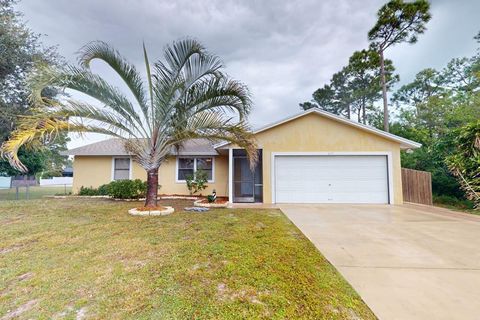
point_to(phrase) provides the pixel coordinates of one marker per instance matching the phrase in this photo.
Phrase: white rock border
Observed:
(167, 211)
(199, 203)
(179, 197)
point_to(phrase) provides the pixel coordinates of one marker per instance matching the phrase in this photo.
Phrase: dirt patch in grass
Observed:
(88, 258)
(20, 310)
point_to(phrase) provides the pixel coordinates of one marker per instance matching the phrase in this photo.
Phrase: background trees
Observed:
(21, 49)
(353, 91)
(431, 109)
(464, 163)
(398, 21)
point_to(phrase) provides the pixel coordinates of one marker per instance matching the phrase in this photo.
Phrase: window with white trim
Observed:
(187, 166)
(121, 168)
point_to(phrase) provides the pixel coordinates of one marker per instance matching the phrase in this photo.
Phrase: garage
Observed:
(337, 178)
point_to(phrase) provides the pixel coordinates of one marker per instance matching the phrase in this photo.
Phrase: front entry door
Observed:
(247, 183)
(243, 181)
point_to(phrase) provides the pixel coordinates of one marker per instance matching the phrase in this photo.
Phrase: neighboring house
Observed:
(312, 157)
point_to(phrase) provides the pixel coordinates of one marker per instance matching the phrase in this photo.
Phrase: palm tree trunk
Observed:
(152, 188)
(384, 92)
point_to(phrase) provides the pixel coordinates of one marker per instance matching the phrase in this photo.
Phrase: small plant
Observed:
(212, 197)
(197, 182)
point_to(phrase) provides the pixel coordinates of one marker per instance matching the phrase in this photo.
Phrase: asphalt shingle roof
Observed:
(114, 147)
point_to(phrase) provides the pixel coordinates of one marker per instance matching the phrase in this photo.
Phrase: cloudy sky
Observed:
(283, 50)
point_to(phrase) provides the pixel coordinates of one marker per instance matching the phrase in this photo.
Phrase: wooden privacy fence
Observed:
(417, 186)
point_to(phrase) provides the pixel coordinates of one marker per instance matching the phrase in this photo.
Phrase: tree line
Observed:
(21, 50)
(439, 108)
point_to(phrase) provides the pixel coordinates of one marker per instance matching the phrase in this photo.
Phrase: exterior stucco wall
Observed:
(167, 175)
(314, 133)
(90, 171)
(93, 171)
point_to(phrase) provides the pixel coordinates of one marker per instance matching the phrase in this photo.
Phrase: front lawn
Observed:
(35, 192)
(82, 258)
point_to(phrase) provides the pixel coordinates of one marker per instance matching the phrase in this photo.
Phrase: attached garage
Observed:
(331, 178)
(319, 157)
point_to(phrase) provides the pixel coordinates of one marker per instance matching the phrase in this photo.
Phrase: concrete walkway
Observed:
(406, 262)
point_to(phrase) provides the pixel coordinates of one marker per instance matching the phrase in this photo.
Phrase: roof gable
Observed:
(404, 143)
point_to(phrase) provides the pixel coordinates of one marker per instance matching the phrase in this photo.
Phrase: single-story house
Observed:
(311, 157)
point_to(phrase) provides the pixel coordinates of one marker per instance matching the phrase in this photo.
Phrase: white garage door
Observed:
(331, 179)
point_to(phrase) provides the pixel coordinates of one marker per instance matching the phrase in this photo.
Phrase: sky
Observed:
(282, 50)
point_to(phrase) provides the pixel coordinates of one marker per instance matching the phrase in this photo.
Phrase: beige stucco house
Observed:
(312, 157)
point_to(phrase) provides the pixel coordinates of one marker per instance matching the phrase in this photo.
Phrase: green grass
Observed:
(36, 192)
(454, 203)
(82, 257)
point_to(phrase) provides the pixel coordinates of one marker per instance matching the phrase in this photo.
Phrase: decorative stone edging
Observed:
(199, 203)
(93, 197)
(167, 211)
(179, 197)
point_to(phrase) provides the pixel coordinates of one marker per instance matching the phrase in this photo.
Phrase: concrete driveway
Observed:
(406, 262)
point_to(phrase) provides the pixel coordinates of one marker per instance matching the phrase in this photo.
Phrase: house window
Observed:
(189, 165)
(186, 167)
(121, 168)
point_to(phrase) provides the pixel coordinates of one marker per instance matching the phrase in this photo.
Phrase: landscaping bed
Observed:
(220, 202)
(86, 258)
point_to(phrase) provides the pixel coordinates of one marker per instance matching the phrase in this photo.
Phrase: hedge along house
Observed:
(312, 157)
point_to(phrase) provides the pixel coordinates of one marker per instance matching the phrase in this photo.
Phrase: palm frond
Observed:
(220, 94)
(34, 129)
(85, 82)
(216, 126)
(127, 71)
(186, 96)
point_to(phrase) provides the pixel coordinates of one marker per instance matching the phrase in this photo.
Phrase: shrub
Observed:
(87, 191)
(104, 190)
(197, 182)
(127, 189)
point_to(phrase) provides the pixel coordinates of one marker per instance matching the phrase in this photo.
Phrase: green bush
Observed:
(127, 189)
(104, 190)
(87, 191)
(121, 189)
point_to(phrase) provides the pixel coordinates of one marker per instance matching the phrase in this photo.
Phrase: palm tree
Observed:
(185, 96)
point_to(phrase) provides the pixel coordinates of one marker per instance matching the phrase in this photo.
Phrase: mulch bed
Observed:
(220, 200)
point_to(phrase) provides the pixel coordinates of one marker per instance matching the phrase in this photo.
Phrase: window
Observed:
(188, 166)
(206, 165)
(121, 168)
